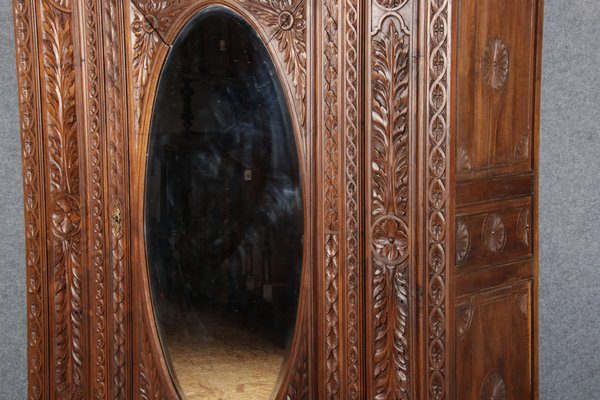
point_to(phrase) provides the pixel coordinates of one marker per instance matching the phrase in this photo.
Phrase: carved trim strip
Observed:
(331, 176)
(389, 212)
(352, 192)
(117, 192)
(438, 74)
(37, 308)
(63, 192)
(94, 138)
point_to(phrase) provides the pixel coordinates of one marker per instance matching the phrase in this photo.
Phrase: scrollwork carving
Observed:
(352, 105)
(438, 99)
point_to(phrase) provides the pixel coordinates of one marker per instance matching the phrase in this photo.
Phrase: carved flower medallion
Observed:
(391, 4)
(66, 216)
(390, 240)
(495, 63)
(494, 233)
(493, 387)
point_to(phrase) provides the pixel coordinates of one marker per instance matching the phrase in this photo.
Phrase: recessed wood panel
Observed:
(496, 41)
(493, 233)
(493, 344)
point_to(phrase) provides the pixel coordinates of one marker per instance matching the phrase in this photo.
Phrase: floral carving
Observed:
(287, 18)
(464, 317)
(391, 4)
(145, 43)
(66, 217)
(495, 63)
(389, 210)
(463, 241)
(494, 233)
(493, 387)
(62, 147)
(390, 240)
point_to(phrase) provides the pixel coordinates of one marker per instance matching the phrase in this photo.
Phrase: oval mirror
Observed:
(224, 222)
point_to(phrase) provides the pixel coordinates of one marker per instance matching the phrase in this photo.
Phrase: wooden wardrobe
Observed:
(415, 125)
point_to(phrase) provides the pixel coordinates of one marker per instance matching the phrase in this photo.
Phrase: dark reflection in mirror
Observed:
(223, 212)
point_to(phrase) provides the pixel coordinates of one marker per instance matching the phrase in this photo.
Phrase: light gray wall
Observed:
(570, 208)
(570, 202)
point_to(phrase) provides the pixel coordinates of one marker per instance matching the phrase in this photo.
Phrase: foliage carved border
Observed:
(33, 177)
(331, 223)
(389, 216)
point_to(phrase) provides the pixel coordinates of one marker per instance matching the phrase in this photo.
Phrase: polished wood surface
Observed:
(417, 127)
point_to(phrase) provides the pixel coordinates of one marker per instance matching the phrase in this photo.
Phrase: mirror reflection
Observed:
(223, 212)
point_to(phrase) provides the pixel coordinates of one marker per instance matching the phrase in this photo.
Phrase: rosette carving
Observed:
(287, 18)
(494, 233)
(495, 63)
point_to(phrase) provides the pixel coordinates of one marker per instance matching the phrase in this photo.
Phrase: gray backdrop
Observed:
(570, 208)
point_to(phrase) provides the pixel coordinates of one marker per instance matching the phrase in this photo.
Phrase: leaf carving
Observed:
(389, 216)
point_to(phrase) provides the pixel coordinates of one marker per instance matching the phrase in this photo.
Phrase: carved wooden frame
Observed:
(87, 70)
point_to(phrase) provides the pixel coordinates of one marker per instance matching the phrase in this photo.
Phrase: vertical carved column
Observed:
(352, 287)
(117, 198)
(94, 136)
(437, 183)
(390, 201)
(33, 193)
(63, 194)
(330, 143)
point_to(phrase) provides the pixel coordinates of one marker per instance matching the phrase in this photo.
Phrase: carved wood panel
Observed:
(495, 81)
(497, 324)
(493, 234)
(391, 273)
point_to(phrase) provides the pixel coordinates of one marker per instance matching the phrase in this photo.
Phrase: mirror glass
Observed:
(224, 221)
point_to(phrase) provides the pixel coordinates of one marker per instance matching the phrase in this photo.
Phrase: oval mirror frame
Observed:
(295, 374)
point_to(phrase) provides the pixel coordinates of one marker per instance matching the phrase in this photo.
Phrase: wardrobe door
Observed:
(496, 59)
(221, 185)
